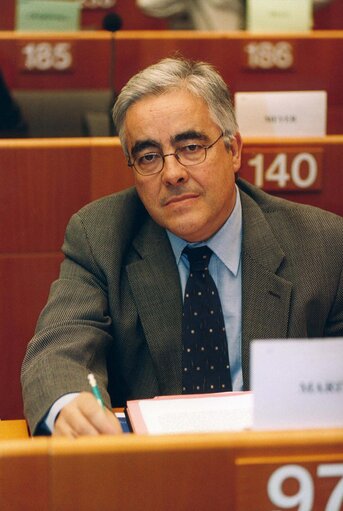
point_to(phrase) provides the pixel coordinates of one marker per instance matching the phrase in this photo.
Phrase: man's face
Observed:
(191, 202)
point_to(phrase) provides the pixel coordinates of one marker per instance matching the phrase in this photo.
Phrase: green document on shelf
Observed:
(279, 15)
(48, 15)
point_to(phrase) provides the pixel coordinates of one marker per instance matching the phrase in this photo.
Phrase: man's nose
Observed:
(173, 172)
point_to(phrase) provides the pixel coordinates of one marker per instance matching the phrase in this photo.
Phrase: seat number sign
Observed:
(295, 486)
(46, 56)
(283, 168)
(268, 55)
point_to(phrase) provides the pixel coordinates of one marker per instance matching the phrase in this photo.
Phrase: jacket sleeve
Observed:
(73, 333)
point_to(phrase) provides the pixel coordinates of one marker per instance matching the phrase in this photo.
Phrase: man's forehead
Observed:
(174, 102)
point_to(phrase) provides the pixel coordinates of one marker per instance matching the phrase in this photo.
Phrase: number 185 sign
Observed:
(46, 56)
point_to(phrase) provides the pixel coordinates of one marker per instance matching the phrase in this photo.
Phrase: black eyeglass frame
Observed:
(163, 156)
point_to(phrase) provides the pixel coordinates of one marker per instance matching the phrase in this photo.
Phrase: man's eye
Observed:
(148, 158)
(191, 148)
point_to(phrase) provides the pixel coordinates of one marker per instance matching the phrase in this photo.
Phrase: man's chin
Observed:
(189, 231)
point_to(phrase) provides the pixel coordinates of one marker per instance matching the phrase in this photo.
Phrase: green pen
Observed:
(95, 389)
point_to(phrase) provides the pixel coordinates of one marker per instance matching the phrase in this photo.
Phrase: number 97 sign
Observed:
(284, 169)
(293, 486)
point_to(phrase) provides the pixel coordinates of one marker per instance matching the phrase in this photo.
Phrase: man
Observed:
(116, 309)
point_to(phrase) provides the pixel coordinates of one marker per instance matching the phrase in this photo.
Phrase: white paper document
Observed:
(297, 384)
(192, 414)
(282, 114)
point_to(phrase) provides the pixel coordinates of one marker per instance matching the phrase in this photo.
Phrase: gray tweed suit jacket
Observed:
(116, 308)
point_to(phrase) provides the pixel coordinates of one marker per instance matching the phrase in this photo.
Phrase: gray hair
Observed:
(199, 78)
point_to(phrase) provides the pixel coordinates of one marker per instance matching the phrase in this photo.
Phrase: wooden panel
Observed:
(25, 282)
(42, 185)
(13, 429)
(90, 57)
(164, 475)
(110, 172)
(45, 181)
(228, 54)
(201, 471)
(24, 475)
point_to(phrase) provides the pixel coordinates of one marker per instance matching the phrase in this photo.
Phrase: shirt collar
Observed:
(226, 243)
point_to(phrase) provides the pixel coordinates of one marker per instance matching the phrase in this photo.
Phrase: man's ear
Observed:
(236, 150)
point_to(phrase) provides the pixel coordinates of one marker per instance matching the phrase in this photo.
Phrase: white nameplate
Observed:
(281, 114)
(297, 384)
(279, 15)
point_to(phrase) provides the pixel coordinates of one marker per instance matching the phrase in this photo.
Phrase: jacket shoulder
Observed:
(126, 200)
(111, 221)
(270, 203)
(289, 219)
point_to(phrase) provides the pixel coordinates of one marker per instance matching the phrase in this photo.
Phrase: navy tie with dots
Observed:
(205, 358)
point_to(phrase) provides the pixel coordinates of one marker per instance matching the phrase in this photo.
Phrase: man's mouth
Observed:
(179, 198)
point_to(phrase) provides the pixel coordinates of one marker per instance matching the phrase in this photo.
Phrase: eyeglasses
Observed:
(188, 155)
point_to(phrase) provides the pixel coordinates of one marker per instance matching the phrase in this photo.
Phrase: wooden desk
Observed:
(248, 62)
(45, 181)
(13, 429)
(233, 471)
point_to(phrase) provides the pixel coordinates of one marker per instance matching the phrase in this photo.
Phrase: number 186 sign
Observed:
(284, 168)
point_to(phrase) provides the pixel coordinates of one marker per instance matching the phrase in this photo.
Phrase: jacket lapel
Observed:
(265, 295)
(154, 281)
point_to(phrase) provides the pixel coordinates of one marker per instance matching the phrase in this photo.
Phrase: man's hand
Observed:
(84, 416)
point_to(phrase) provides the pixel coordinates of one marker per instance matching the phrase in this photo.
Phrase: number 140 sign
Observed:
(283, 169)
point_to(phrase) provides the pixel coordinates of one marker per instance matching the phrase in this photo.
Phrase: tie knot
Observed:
(199, 258)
